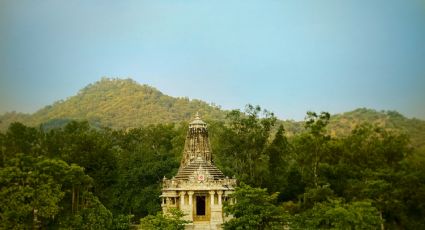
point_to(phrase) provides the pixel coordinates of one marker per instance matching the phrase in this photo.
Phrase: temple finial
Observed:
(197, 121)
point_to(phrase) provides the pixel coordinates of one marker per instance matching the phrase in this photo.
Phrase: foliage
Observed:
(122, 222)
(119, 104)
(314, 146)
(242, 145)
(145, 156)
(170, 221)
(254, 209)
(83, 176)
(335, 214)
(93, 215)
(342, 124)
(28, 194)
(35, 192)
(124, 104)
(278, 153)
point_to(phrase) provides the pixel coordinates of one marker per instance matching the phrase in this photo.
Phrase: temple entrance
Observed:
(200, 205)
(201, 208)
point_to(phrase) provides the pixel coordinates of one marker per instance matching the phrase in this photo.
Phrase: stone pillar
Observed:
(219, 197)
(212, 197)
(182, 198)
(189, 207)
(190, 193)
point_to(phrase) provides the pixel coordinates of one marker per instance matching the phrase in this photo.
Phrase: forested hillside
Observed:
(118, 104)
(343, 124)
(124, 104)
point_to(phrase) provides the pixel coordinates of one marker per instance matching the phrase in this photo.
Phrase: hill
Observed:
(341, 124)
(118, 103)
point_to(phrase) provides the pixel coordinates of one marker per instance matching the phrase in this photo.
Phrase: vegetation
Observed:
(359, 181)
(172, 221)
(254, 209)
(84, 176)
(125, 104)
(118, 104)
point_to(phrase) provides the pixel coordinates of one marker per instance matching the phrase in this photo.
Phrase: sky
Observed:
(288, 56)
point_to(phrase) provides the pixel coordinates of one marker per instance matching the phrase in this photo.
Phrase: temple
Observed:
(199, 188)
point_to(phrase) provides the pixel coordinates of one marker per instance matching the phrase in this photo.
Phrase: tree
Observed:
(242, 144)
(170, 221)
(29, 196)
(38, 192)
(410, 190)
(92, 215)
(145, 157)
(254, 209)
(316, 125)
(21, 139)
(78, 143)
(278, 152)
(312, 146)
(335, 214)
(375, 157)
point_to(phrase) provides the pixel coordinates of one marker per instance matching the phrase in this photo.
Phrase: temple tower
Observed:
(199, 187)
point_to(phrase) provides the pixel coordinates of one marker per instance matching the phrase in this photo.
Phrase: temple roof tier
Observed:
(186, 172)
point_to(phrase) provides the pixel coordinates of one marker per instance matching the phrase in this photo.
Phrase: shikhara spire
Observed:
(197, 144)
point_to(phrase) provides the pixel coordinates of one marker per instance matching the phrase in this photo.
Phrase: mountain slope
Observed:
(119, 104)
(341, 124)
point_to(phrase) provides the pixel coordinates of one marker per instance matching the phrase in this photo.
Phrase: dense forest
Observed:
(82, 176)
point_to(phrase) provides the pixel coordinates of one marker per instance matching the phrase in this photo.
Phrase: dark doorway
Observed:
(200, 205)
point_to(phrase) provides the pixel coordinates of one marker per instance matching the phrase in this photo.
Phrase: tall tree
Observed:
(278, 153)
(312, 146)
(242, 145)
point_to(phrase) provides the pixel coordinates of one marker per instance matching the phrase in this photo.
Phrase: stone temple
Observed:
(199, 188)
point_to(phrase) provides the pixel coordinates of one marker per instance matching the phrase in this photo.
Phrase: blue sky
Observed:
(286, 56)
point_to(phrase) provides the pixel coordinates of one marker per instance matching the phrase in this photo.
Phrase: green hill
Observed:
(341, 124)
(118, 103)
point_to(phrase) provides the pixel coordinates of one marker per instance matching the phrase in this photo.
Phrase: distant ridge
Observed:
(124, 103)
(343, 123)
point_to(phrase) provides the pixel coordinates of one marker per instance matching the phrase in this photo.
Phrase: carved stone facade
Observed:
(199, 188)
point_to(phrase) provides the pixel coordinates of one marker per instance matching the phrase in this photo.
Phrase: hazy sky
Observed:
(287, 56)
